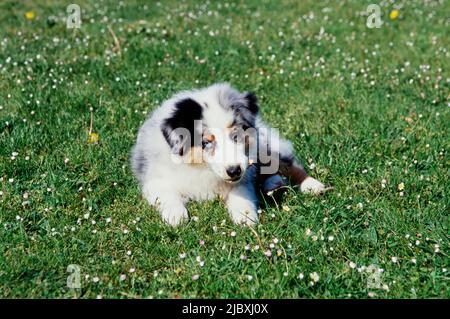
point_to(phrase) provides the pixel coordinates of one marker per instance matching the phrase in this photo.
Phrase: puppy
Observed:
(211, 142)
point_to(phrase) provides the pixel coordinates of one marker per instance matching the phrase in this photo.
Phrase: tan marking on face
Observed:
(231, 125)
(210, 138)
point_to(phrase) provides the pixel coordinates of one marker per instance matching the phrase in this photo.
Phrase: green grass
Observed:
(360, 105)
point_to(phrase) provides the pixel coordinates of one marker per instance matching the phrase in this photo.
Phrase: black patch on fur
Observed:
(139, 163)
(246, 124)
(287, 159)
(186, 112)
(252, 102)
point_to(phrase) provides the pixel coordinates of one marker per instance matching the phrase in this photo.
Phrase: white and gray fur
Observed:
(168, 184)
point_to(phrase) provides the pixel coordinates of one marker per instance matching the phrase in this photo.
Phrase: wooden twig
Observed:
(116, 47)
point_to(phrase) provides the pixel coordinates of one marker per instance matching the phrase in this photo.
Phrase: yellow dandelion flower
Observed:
(401, 186)
(93, 138)
(393, 15)
(29, 15)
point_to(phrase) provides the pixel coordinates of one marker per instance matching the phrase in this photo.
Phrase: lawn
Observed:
(366, 108)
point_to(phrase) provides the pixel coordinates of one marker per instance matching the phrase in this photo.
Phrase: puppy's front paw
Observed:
(313, 186)
(244, 218)
(243, 213)
(174, 214)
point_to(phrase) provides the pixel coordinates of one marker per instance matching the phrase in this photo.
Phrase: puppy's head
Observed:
(214, 127)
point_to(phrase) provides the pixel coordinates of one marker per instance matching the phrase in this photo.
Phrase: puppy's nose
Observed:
(234, 171)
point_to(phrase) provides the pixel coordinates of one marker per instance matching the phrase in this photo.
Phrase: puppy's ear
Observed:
(252, 102)
(180, 129)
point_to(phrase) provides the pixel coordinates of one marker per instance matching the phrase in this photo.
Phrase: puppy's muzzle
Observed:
(234, 172)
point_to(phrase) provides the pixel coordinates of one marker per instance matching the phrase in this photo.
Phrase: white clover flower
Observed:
(314, 276)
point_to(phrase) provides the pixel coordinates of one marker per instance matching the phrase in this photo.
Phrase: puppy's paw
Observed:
(243, 212)
(174, 214)
(313, 186)
(244, 218)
